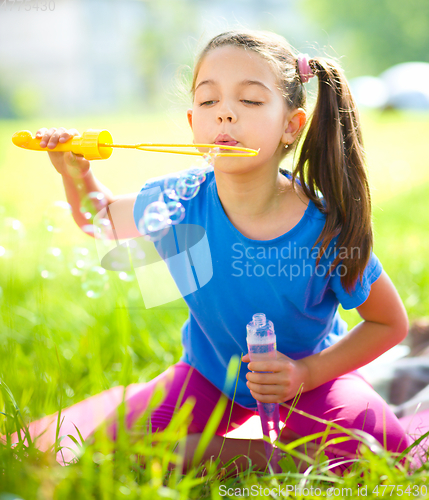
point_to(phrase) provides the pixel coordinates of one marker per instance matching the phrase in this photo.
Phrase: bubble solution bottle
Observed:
(261, 344)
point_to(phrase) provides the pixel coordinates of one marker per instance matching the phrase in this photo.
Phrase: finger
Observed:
(263, 366)
(46, 136)
(274, 390)
(245, 358)
(263, 378)
(41, 131)
(53, 141)
(264, 398)
(64, 135)
(67, 134)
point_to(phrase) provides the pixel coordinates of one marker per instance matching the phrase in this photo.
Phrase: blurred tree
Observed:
(169, 24)
(26, 101)
(6, 108)
(375, 34)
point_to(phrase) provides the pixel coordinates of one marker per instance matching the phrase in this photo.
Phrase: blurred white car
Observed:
(403, 86)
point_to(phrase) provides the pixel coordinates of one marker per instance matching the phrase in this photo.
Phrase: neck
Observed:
(253, 195)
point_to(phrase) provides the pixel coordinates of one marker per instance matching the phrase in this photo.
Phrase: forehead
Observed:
(235, 64)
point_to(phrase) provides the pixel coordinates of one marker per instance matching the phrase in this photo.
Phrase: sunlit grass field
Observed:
(58, 346)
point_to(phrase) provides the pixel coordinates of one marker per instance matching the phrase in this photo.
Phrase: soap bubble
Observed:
(95, 282)
(176, 211)
(160, 208)
(171, 194)
(80, 261)
(187, 187)
(89, 229)
(102, 230)
(138, 255)
(52, 264)
(171, 181)
(9, 237)
(12, 234)
(57, 216)
(105, 229)
(159, 216)
(155, 222)
(151, 235)
(200, 175)
(209, 158)
(124, 276)
(92, 203)
(207, 168)
(15, 225)
(156, 216)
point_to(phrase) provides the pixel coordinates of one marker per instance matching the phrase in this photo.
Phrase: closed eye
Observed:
(207, 103)
(251, 103)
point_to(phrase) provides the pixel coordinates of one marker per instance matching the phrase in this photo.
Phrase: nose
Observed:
(226, 113)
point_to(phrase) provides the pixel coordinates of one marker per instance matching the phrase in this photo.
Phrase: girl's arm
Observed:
(79, 180)
(385, 325)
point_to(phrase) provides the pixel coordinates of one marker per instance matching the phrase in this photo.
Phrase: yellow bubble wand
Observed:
(98, 145)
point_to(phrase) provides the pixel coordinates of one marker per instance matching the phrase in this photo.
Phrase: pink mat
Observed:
(87, 415)
(415, 426)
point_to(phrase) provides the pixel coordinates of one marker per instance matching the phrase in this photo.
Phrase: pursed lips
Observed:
(225, 140)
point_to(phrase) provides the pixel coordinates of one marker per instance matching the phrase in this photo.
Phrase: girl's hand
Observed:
(66, 163)
(282, 383)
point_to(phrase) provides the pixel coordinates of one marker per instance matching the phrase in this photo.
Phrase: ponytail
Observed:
(332, 161)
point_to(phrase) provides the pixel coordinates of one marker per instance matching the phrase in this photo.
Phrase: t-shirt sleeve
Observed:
(361, 291)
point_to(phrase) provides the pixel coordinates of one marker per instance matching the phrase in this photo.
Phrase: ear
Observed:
(295, 122)
(189, 115)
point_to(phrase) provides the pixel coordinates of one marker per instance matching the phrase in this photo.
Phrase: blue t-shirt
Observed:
(227, 277)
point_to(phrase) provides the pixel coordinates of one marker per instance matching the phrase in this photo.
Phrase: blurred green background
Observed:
(124, 66)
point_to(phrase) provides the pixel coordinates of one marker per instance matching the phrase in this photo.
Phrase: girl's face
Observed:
(237, 100)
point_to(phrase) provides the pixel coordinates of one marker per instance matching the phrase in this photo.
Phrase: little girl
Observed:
(293, 245)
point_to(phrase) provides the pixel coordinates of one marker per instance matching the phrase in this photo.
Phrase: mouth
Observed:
(225, 140)
(226, 143)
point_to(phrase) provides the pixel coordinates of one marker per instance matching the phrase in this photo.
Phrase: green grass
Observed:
(57, 346)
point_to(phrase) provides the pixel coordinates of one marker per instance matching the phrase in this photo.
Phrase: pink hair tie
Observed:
(304, 70)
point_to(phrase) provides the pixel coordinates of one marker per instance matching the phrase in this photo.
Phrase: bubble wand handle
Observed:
(87, 144)
(261, 344)
(98, 145)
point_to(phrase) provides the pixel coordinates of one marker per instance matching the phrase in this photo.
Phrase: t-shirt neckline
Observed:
(288, 234)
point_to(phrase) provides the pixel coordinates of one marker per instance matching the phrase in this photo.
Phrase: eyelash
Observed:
(253, 103)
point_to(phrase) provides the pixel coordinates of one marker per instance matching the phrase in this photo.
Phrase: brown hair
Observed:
(331, 159)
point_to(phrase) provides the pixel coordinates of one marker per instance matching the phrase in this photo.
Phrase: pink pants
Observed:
(349, 401)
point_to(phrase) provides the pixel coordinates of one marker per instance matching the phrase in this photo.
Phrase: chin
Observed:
(231, 165)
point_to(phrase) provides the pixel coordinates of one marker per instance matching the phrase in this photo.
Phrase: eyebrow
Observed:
(241, 84)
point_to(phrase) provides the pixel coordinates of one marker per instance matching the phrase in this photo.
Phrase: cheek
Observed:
(266, 134)
(200, 125)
